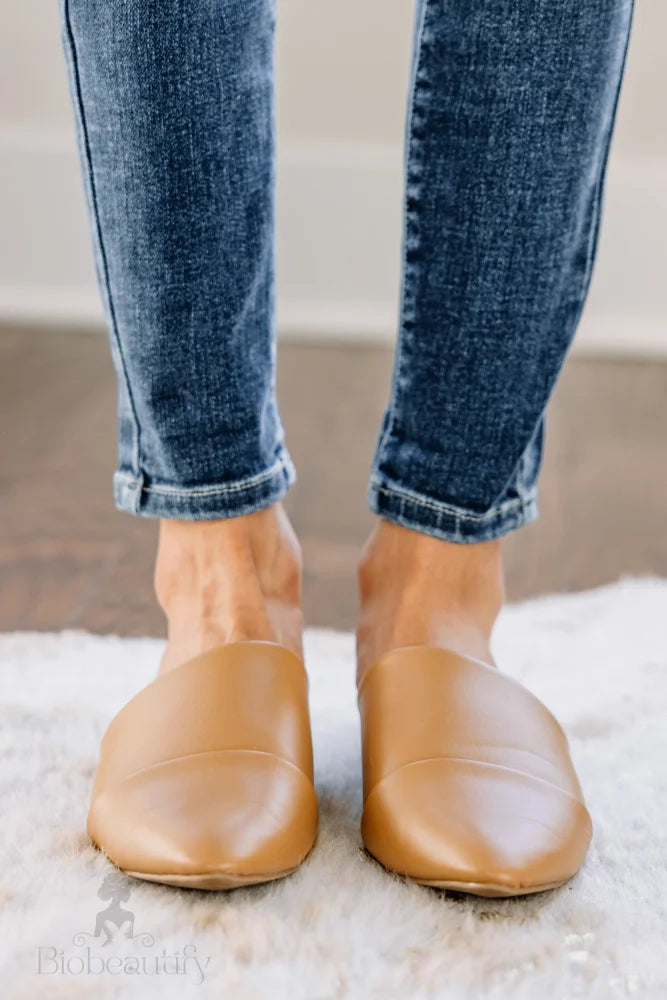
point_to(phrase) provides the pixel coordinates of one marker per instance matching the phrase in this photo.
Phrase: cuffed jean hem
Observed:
(210, 502)
(453, 524)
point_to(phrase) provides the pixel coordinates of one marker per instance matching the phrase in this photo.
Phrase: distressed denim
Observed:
(510, 111)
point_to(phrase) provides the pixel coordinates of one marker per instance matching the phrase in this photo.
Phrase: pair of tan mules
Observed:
(206, 776)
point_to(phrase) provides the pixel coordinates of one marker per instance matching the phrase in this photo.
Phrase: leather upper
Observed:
(210, 769)
(467, 775)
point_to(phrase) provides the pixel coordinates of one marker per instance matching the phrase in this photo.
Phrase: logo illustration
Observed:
(115, 922)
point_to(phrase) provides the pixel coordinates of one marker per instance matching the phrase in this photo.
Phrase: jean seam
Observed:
(442, 508)
(408, 226)
(204, 491)
(79, 104)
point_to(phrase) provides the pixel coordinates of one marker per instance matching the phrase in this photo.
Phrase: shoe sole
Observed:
(208, 880)
(491, 890)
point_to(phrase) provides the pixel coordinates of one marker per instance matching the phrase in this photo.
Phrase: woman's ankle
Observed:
(415, 589)
(228, 580)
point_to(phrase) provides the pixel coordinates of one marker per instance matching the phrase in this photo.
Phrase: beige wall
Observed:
(342, 75)
(342, 69)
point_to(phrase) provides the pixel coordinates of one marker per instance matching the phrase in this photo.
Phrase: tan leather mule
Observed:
(468, 781)
(206, 776)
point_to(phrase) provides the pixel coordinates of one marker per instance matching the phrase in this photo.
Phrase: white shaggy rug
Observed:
(341, 927)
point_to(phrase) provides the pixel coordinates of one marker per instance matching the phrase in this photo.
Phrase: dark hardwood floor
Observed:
(69, 560)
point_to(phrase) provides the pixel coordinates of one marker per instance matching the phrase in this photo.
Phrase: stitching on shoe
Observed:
(478, 763)
(205, 753)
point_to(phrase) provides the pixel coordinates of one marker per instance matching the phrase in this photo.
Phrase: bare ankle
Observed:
(394, 554)
(417, 589)
(221, 581)
(261, 546)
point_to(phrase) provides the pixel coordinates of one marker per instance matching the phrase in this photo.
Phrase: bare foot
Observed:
(418, 590)
(223, 581)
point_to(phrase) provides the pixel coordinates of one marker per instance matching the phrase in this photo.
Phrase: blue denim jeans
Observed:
(510, 112)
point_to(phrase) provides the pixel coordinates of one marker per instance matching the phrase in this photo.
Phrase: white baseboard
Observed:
(338, 239)
(50, 306)
(353, 323)
(630, 337)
